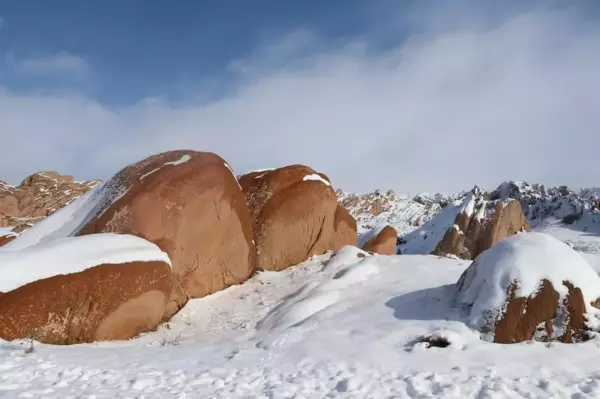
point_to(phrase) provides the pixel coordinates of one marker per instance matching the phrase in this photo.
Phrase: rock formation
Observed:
(295, 215)
(190, 205)
(530, 286)
(38, 196)
(384, 243)
(83, 289)
(466, 227)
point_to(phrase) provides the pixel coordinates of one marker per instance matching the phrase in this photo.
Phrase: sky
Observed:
(408, 95)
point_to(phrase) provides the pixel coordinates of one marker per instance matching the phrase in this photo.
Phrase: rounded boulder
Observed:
(83, 289)
(189, 204)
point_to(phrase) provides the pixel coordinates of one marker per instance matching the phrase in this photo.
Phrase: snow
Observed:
(182, 160)
(527, 258)
(142, 177)
(6, 231)
(316, 177)
(60, 224)
(364, 344)
(234, 176)
(426, 238)
(468, 205)
(72, 255)
(305, 333)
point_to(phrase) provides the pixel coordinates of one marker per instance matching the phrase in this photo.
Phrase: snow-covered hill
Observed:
(332, 327)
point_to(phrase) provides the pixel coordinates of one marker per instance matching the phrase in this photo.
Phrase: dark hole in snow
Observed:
(570, 219)
(435, 341)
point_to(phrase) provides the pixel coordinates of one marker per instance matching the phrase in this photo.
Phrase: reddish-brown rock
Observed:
(345, 229)
(384, 243)
(189, 204)
(531, 318)
(106, 302)
(37, 197)
(294, 213)
(5, 239)
(471, 234)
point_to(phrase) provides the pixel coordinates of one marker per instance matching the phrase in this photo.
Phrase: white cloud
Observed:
(62, 63)
(442, 111)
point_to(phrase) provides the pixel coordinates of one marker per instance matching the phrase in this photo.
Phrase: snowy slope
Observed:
(342, 327)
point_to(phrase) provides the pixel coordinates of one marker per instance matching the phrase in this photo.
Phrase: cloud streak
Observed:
(62, 63)
(441, 111)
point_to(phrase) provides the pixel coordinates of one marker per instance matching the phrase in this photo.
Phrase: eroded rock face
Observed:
(528, 318)
(295, 215)
(481, 227)
(530, 287)
(106, 302)
(38, 196)
(384, 243)
(189, 204)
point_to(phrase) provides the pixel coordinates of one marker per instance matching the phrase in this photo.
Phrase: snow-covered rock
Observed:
(38, 196)
(187, 202)
(530, 286)
(82, 289)
(466, 227)
(539, 203)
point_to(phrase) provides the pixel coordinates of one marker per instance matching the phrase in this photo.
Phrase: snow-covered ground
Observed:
(341, 327)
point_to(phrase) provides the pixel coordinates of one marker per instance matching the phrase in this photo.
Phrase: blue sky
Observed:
(457, 93)
(123, 51)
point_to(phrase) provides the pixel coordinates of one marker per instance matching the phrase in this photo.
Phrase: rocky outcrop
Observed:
(295, 215)
(83, 289)
(466, 227)
(37, 197)
(380, 208)
(189, 204)
(562, 203)
(384, 243)
(490, 222)
(530, 286)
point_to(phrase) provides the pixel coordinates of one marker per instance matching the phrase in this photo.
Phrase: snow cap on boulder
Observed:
(83, 289)
(530, 286)
(383, 243)
(295, 215)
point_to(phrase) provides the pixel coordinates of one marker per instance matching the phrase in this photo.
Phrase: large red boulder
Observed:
(189, 204)
(294, 212)
(83, 289)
